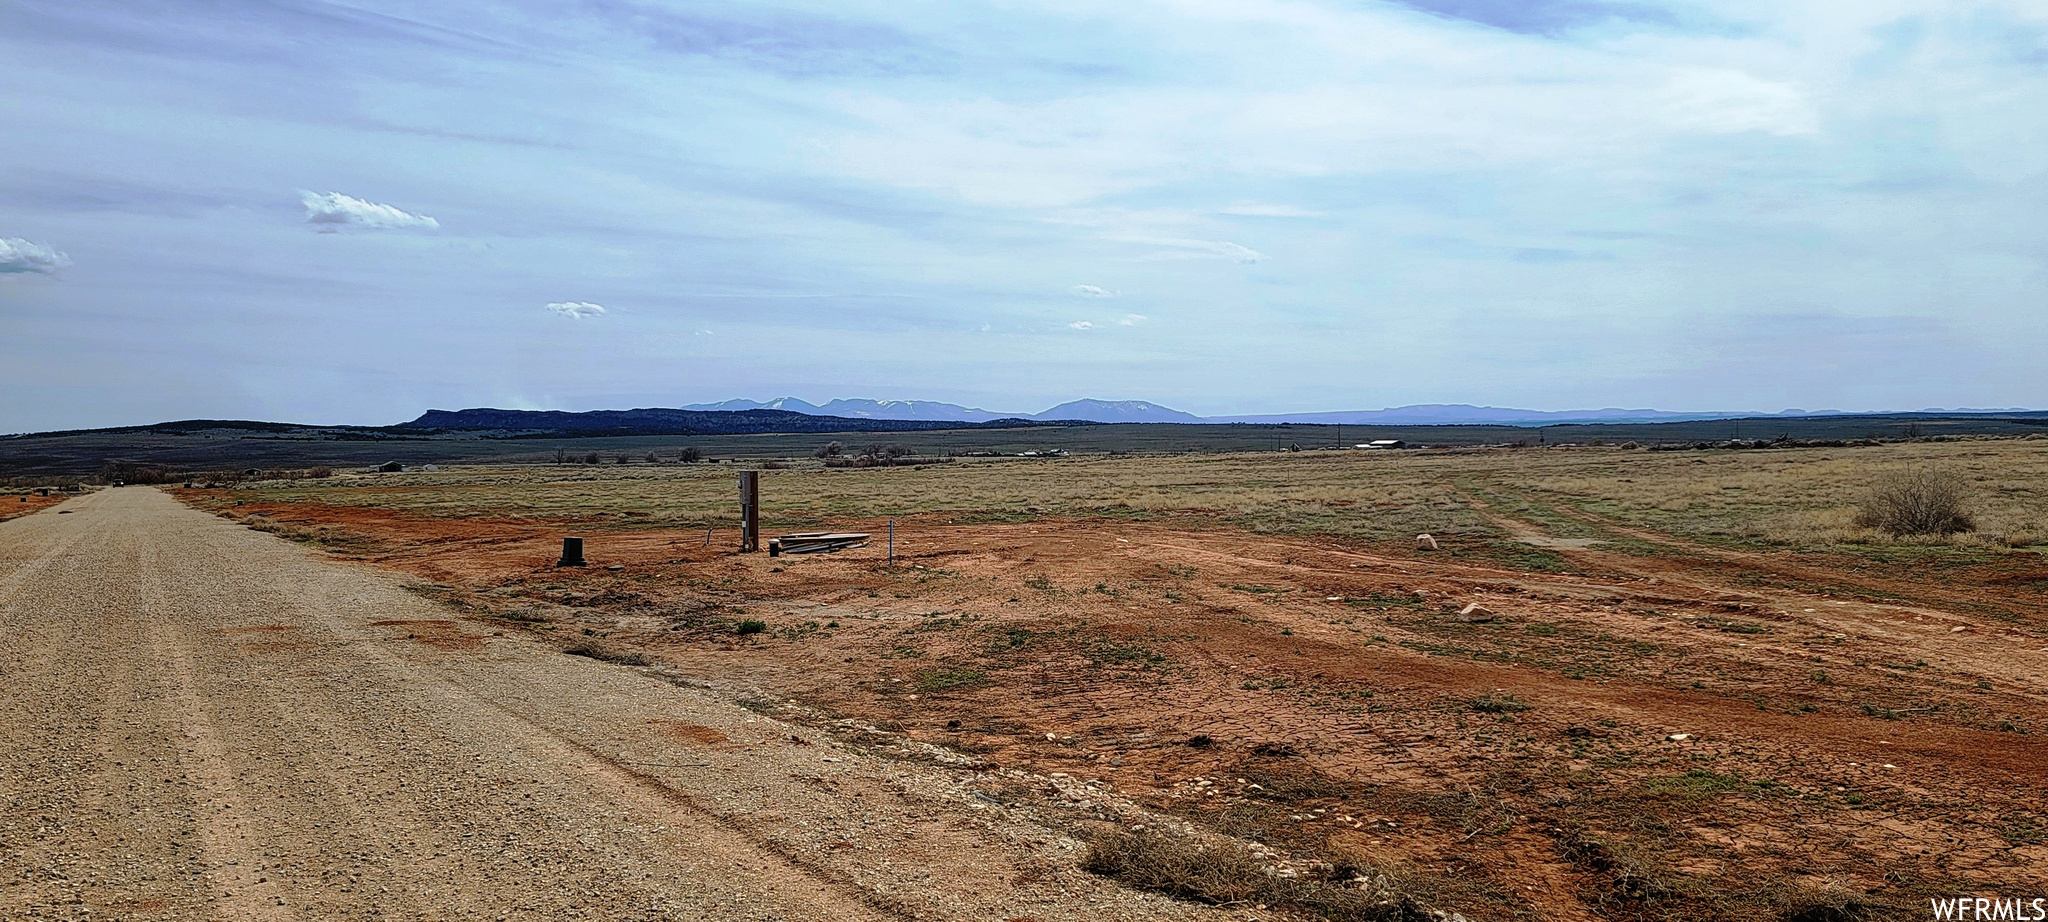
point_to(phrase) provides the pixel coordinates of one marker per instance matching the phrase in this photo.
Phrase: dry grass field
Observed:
(1695, 686)
(22, 502)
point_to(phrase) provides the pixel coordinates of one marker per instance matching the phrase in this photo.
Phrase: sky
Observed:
(352, 212)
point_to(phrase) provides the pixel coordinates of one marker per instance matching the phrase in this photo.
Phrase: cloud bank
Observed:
(576, 310)
(20, 256)
(1093, 291)
(330, 212)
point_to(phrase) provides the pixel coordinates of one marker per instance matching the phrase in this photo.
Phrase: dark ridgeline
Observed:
(660, 421)
(677, 435)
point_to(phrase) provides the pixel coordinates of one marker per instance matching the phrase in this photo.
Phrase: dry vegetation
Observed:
(1705, 684)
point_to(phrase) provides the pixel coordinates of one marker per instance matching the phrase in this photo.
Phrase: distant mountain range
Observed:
(1140, 411)
(788, 414)
(663, 421)
(1099, 411)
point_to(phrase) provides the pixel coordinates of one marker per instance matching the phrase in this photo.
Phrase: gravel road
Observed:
(199, 721)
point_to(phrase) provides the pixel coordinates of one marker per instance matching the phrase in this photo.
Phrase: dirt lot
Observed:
(1696, 688)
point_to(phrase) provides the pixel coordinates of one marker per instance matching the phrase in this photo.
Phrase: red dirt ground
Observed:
(1700, 722)
(23, 504)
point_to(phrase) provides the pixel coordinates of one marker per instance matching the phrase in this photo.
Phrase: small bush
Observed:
(607, 654)
(753, 627)
(1224, 872)
(1498, 704)
(1916, 502)
(1228, 874)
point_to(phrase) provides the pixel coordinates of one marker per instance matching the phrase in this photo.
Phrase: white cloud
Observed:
(1093, 291)
(1728, 101)
(1131, 320)
(332, 211)
(576, 310)
(1081, 325)
(18, 255)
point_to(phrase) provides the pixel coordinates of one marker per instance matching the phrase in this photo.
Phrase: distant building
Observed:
(1382, 444)
(390, 467)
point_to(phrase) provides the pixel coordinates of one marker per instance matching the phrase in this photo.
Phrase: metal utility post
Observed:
(750, 511)
(572, 553)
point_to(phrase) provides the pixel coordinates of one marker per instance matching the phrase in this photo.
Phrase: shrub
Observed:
(830, 450)
(1916, 502)
(607, 654)
(1222, 872)
(1226, 873)
(690, 455)
(753, 627)
(1498, 704)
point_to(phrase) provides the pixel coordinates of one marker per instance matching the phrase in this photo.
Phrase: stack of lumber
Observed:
(816, 542)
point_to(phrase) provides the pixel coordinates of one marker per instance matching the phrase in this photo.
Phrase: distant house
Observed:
(1383, 444)
(390, 467)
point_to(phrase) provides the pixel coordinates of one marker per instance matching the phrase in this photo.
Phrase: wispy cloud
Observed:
(1131, 320)
(1081, 325)
(332, 211)
(1543, 17)
(1180, 248)
(1093, 291)
(18, 256)
(576, 310)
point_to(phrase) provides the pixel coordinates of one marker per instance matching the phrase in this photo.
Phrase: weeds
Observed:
(1923, 501)
(1498, 704)
(936, 680)
(1224, 872)
(608, 654)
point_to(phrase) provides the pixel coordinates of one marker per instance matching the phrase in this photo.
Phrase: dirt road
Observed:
(201, 721)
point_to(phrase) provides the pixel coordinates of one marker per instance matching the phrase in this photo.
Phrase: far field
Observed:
(201, 445)
(1697, 688)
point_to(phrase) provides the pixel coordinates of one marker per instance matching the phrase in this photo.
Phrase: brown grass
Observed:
(1804, 497)
(1225, 872)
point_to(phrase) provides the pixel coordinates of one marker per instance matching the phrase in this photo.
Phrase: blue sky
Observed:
(350, 212)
